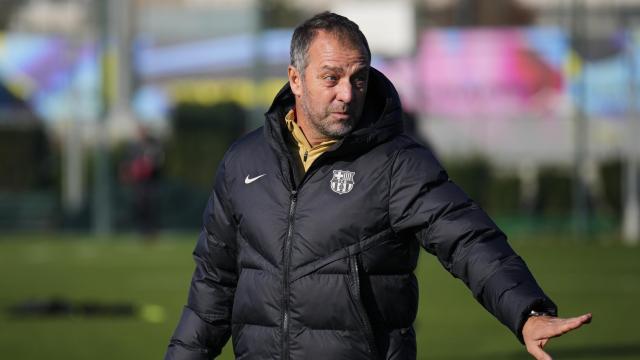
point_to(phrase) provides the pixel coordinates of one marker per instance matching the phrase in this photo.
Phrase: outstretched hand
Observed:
(539, 329)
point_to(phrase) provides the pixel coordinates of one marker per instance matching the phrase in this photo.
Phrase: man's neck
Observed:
(312, 136)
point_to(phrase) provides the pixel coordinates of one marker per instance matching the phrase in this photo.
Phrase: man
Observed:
(314, 226)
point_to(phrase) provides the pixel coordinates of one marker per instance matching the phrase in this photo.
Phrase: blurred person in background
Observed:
(141, 168)
(312, 232)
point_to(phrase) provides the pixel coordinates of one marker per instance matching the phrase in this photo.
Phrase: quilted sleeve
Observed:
(449, 225)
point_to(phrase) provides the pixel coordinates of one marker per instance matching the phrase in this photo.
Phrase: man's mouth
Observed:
(341, 114)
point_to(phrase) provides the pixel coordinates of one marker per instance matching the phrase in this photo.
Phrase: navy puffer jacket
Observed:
(319, 265)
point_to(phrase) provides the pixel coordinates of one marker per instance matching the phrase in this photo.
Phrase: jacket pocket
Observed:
(356, 296)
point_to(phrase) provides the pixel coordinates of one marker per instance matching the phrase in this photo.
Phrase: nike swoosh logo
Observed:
(249, 180)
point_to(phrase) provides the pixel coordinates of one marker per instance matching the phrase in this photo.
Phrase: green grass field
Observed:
(601, 277)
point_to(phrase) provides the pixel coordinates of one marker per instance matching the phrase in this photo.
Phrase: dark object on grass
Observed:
(58, 307)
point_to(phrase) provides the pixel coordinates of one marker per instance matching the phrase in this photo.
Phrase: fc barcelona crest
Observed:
(342, 181)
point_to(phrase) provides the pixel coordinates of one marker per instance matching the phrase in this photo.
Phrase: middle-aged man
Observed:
(312, 232)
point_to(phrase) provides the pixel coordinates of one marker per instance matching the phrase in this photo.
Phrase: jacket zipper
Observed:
(368, 331)
(285, 279)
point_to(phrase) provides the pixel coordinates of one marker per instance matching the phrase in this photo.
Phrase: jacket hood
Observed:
(380, 121)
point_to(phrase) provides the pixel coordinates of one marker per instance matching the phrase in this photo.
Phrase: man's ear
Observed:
(295, 80)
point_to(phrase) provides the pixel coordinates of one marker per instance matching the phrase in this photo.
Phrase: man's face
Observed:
(330, 94)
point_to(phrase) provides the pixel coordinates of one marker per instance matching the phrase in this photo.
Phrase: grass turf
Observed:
(601, 277)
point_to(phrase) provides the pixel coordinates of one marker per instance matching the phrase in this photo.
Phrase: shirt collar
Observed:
(298, 135)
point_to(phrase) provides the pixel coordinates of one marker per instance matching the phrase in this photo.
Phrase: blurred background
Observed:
(114, 115)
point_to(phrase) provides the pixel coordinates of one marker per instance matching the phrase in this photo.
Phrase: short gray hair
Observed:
(335, 24)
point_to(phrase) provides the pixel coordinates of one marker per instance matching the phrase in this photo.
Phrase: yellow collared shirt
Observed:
(308, 154)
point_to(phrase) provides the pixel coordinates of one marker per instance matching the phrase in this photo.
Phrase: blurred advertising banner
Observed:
(212, 70)
(454, 74)
(473, 74)
(60, 79)
(502, 93)
(515, 73)
(50, 73)
(601, 73)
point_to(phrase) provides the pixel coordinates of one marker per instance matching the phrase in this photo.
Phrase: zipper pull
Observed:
(304, 157)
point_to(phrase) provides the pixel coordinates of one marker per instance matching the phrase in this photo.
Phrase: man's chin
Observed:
(338, 132)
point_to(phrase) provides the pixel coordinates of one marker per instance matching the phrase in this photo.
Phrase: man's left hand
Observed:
(539, 329)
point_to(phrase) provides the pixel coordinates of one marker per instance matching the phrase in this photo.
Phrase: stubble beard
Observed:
(323, 123)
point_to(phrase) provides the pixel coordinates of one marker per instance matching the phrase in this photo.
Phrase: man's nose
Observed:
(345, 91)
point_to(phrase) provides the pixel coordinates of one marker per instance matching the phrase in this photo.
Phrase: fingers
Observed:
(582, 319)
(538, 330)
(535, 349)
(574, 323)
(586, 318)
(548, 327)
(563, 326)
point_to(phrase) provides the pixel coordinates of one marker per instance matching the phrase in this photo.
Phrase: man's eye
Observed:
(331, 78)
